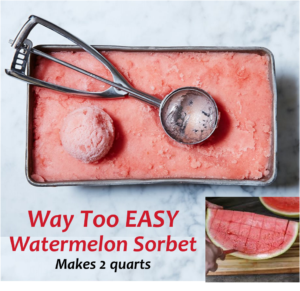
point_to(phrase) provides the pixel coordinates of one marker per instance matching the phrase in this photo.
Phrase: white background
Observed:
(274, 25)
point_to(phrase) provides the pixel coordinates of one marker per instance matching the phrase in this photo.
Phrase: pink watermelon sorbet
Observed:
(240, 148)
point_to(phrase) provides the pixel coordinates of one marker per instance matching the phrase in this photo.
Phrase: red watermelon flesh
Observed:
(286, 206)
(254, 236)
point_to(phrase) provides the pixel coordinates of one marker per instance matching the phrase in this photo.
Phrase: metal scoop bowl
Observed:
(188, 115)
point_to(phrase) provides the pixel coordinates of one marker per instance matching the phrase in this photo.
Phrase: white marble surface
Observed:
(270, 24)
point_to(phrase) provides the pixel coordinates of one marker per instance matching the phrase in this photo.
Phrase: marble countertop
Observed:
(269, 24)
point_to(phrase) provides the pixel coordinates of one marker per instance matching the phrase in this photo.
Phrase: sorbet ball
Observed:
(87, 134)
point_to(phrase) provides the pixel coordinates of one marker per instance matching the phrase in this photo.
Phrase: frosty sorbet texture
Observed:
(87, 134)
(239, 148)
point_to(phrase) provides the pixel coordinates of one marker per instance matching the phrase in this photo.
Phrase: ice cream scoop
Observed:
(188, 115)
(87, 134)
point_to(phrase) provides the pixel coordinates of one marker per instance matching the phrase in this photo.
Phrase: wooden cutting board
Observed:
(286, 263)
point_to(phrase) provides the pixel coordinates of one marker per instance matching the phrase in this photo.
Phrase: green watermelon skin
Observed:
(256, 237)
(284, 206)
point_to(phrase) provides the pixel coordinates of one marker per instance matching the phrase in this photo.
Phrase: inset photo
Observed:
(252, 239)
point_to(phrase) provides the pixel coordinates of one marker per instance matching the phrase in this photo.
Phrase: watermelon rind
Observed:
(278, 212)
(251, 257)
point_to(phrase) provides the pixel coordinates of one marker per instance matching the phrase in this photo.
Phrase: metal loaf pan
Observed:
(55, 48)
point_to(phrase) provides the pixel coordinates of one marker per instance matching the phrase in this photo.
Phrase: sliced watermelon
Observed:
(254, 236)
(285, 206)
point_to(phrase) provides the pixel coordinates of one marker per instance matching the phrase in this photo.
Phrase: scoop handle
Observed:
(131, 91)
(34, 20)
(119, 84)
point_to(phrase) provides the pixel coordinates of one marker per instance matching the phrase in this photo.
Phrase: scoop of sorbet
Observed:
(87, 134)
